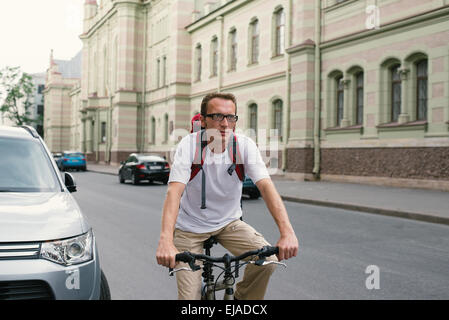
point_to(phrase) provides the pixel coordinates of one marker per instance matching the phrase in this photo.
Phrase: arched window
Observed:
(254, 41)
(279, 32)
(340, 99)
(396, 93)
(277, 117)
(153, 130)
(214, 57)
(252, 110)
(232, 49)
(359, 98)
(166, 128)
(421, 89)
(198, 58)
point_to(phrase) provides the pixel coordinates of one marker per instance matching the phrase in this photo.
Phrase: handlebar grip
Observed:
(188, 258)
(269, 251)
(183, 257)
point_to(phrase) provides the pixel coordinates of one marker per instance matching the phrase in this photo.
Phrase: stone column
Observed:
(345, 122)
(404, 116)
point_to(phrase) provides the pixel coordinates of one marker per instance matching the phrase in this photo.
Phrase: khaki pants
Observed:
(237, 237)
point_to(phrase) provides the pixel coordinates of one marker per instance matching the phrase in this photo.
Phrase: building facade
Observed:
(61, 116)
(37, 108)
(353, 90)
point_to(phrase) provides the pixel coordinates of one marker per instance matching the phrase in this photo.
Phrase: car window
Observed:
(25, 167)
(73, 155)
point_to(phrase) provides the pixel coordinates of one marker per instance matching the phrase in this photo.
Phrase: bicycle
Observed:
(210, 286)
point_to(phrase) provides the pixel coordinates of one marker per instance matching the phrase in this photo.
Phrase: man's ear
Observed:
(203, 121)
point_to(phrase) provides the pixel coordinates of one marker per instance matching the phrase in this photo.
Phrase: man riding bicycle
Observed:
(198, 206)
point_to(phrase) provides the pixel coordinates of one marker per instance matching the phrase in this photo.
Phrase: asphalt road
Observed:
(405, 259)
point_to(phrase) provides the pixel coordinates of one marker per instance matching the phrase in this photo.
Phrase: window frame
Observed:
(395, 81)
(420, 79)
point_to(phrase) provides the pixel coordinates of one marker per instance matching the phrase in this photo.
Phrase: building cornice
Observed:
(228, 7)
(394, 26)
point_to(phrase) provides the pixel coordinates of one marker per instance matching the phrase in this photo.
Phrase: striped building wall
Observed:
(147, 65)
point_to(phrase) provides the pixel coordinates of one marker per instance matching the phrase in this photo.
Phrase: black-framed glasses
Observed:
(221, 116)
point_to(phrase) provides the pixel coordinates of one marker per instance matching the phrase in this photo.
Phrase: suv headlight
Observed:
(69, 251)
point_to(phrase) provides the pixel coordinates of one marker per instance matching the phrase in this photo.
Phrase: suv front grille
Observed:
(10, 251)
(25, 290)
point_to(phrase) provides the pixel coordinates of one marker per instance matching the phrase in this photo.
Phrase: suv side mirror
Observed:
(69, 182)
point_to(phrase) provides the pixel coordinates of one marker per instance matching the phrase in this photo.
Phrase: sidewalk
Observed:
(417, 204)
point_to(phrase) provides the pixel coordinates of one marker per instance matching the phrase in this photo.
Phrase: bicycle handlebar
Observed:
(190, 258)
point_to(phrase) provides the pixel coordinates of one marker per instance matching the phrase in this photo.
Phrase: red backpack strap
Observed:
(198, 160)
(236, 158)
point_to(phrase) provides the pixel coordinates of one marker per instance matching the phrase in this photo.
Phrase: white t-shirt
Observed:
(223, 191)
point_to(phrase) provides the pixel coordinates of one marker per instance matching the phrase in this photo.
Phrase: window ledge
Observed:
(277, 57)
(394, 126)
(252, 64)
(350, 129)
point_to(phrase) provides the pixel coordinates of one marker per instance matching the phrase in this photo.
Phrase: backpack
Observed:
(198, 162)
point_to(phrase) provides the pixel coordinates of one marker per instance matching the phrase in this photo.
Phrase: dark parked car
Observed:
(140, 167)
(250, 189)
(72, 160)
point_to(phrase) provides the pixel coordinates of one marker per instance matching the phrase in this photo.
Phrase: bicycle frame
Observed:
(210, 286)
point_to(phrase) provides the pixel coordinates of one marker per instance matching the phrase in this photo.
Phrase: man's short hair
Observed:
(210, 96)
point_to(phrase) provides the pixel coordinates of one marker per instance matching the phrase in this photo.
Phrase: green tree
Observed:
(16, 94)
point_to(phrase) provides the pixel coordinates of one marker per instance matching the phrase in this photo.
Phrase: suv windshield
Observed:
(24, 167)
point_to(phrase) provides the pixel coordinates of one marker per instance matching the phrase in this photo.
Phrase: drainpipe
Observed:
(288, 82)
(98, 134)
(317, 116)
(221, 55)
(144, 80)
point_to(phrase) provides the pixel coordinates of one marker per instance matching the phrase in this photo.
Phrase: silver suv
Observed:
(47, 248)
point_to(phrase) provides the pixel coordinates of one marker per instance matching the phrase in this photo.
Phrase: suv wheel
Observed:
(105, 293)
(120, 178)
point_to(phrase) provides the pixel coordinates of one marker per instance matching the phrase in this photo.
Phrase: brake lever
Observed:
(261, 262)
(172, 271)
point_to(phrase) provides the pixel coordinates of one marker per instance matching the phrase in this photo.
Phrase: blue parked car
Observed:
(72, 160)
(250, 189)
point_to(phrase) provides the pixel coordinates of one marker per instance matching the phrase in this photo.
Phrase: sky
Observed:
(30, 29)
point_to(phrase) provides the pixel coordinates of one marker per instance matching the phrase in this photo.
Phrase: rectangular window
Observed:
(198, 63)
(40, 88)
(233, 50)
(255, 41)
(164, 71)
(278, 117)
(40, 110)
(103, 132)
(280, 32)
(214, 50)
(158, 73)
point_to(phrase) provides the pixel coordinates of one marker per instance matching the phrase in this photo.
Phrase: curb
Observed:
(354, 207)
(385, 212)
(102, 172)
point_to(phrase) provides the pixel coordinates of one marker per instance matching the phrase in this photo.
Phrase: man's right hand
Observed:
(165, 254)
